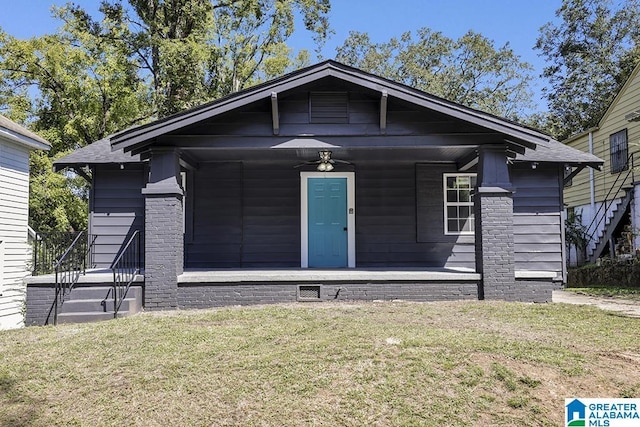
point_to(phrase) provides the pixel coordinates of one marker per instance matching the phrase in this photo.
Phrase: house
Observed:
(576, 411)
(330, 183)
(606, 202)
(15, 144)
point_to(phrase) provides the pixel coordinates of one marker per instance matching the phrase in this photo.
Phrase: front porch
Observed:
(206, 288)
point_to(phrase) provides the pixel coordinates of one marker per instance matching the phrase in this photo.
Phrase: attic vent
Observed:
(308, 292)
(633, 116)
(329, 107)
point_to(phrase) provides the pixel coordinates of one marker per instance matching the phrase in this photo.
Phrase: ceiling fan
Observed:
(325, 164)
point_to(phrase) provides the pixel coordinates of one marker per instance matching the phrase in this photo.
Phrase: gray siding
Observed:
(449, 251)
(537, 218)
(248, 215)
(271, 229)
(117, 209)
(215, 210)
(244, 215)
(363, 117)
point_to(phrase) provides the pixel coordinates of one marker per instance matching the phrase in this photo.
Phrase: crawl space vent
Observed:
(309, 292)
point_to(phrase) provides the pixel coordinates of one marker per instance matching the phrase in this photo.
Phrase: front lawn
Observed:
(463, 363)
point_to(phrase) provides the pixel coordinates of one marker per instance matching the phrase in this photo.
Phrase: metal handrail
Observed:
(48, 248)
(125, 268)
(590, 232)
(68, 268)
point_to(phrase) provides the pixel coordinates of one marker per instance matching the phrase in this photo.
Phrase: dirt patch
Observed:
(625, 307)
(544, 387)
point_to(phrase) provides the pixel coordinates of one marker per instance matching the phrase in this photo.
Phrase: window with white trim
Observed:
(458, 203)
(619, 150)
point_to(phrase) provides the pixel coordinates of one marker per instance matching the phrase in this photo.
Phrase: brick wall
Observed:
(163, 250)
(204, 295)
(39, 302)
(534, 290)
(495, 245)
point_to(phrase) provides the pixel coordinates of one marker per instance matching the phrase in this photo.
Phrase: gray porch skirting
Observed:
(216, 288)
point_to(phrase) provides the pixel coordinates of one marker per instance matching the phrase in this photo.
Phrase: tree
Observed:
(197, 50)
(57, 201)
(141, 60)
(591, 53)
(71, 86)
(73, 89)
(470, 71)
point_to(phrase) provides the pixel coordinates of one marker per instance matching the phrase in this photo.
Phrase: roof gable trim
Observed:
(142, 135)
(619, 95)
(17, 138)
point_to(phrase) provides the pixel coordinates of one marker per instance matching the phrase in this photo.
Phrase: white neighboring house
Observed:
(15, 144)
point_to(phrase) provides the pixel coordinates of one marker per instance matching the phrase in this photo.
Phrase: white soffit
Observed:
(305, 143)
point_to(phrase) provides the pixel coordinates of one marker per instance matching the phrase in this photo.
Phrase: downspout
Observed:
(592, 188)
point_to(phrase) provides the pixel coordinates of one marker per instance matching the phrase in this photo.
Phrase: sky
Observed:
(516, 22)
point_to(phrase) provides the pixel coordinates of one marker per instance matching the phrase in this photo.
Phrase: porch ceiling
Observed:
(353, 155)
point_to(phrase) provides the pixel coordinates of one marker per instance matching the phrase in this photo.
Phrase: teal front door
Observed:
(327, 210)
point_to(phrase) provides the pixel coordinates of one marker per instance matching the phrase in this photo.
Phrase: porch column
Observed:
(494, 225)
(164, 242)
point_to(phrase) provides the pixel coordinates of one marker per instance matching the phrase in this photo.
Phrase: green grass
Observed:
(609, 291)
(472, 363)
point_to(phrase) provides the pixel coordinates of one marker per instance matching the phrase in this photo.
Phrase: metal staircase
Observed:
(611, 212)
(612, 219)
(83, 295)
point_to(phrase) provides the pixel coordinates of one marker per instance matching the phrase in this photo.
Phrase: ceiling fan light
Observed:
(328, 167)
(322, 167)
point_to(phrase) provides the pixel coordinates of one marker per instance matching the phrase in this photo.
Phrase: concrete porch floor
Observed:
(237, 275)
(325, 275)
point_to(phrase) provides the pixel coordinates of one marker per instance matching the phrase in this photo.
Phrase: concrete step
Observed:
(100, 292)
(90, 292)
(83, 317)
(87, 317)
(99, 305)
(95, 303)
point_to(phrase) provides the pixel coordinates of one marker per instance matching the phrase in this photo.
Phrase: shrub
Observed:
(617, 273)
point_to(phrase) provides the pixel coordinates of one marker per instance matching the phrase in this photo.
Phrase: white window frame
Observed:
(447, 204)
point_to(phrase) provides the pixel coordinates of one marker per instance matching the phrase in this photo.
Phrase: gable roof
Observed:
(118, 148)
(620, 94)
(98, 152)
(556, 152)
(634, 74)
(17, 134)
(143, 135)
